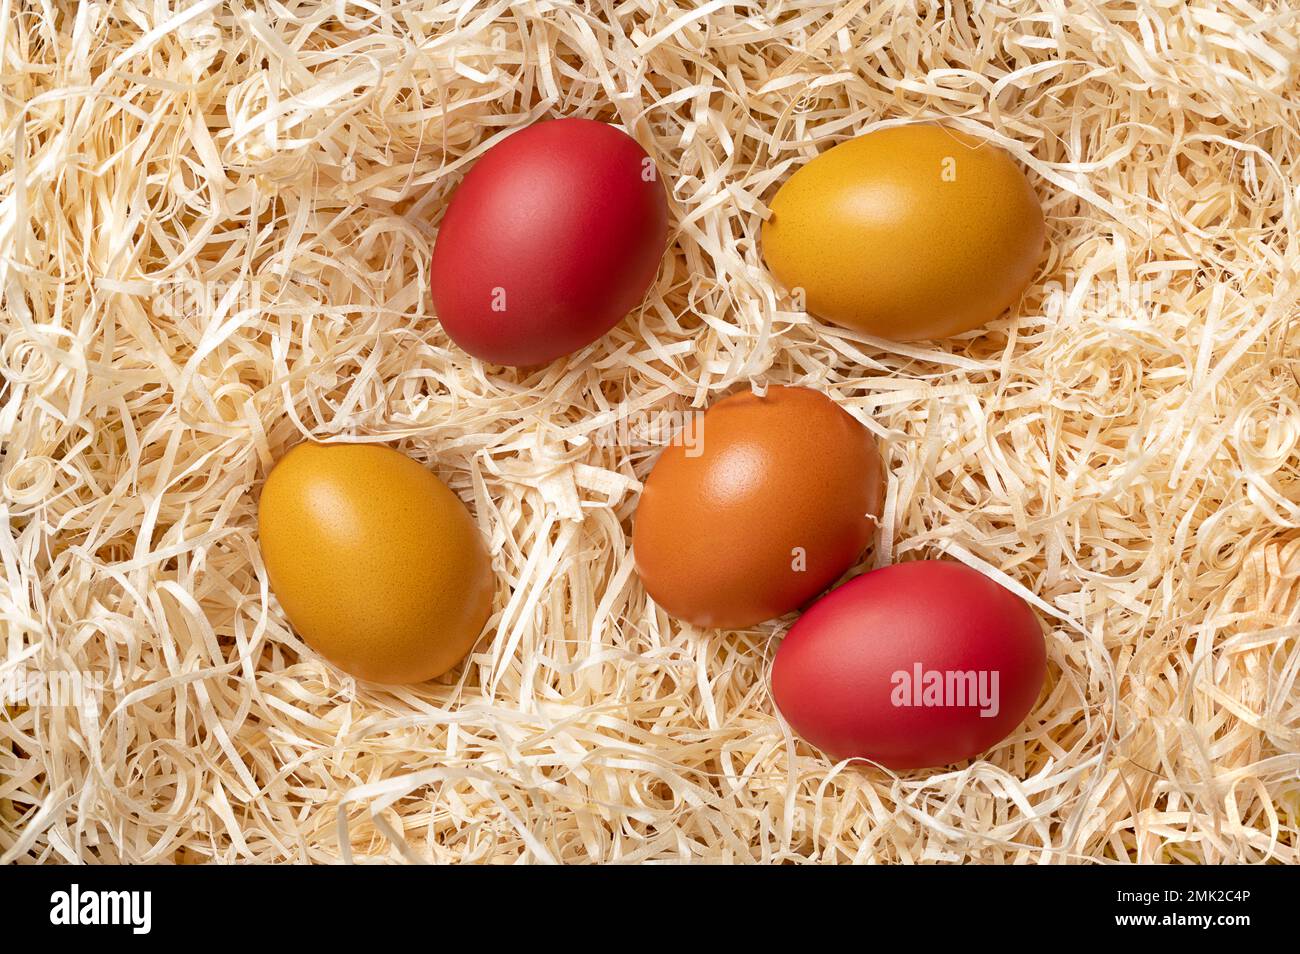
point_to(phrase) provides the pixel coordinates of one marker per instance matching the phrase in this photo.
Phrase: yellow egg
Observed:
(377, 565)
(907, 233)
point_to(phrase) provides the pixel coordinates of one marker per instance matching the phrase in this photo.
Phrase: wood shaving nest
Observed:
(215, 226)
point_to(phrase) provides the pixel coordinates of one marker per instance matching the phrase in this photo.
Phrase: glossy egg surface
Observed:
(906, 233)
(769, 501)
(915, 665)
(552, 237)
(376, 563)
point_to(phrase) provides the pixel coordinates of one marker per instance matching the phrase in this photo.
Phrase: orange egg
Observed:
(774, 500)
(377, 565)
(906, 233)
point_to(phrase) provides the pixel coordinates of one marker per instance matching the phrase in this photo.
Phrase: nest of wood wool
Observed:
(1121, 448)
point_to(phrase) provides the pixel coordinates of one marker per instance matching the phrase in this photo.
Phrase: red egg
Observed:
(915, 665)
(552, 237)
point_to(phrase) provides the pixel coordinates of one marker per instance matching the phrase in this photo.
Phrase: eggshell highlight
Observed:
(853, 676)
(376, 563)
(780, 500)
(907, 233)
(553, 236)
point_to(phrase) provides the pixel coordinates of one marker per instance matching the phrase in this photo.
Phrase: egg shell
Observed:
(910, 232)
(769, 502)
(376, 563)
(835, 678)
(553, 236)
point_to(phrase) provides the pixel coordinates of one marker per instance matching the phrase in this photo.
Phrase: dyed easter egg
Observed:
(553, 236)
(767, 502)
(375, 562)
(914, 665)
(906, 233)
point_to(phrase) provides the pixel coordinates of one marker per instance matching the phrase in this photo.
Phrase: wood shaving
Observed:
(215, 226)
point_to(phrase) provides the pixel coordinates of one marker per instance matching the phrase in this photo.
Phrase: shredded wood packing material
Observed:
(215, 227)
